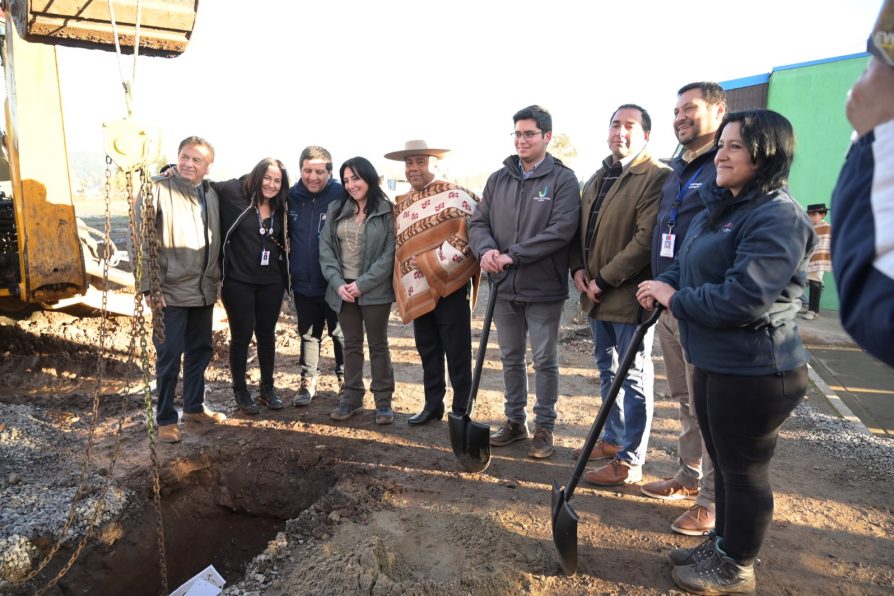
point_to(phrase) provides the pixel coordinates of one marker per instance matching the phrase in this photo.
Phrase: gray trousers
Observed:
(374, 318)
(538, 321)
(695, 465)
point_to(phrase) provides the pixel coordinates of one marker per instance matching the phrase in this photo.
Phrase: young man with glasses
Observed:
(520, 232)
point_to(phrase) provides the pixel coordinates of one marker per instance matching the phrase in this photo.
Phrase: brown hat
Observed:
(818, 207)
(416, 147)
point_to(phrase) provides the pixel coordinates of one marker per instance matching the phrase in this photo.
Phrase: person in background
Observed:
(609, 257)
(520, 232)
(734, 288)
(357, 258)
(254, 263)
(820, 260)
(308, 202)
(187, 227)
(863, 216)
(434, 274)
(697, 116)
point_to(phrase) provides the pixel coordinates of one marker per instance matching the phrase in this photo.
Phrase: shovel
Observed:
(471, 440)
(564, 517)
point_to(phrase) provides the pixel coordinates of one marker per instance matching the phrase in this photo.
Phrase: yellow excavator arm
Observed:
(41, 256)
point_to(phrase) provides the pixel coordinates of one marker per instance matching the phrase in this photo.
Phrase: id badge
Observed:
(667, 245)
(265, 258)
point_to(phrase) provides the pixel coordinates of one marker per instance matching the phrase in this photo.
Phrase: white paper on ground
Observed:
(207, 582)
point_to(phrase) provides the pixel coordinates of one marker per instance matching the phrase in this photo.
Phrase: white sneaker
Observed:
(809, 315)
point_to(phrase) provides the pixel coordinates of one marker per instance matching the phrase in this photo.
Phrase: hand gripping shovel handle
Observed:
(617, 382)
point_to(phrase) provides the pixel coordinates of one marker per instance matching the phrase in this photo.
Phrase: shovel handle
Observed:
(482, 344)
(620, 376)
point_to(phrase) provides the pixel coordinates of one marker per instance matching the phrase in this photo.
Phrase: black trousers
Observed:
(313, 314)
(740, 417)
(252, 309)
(187, 337)
(446, 332)
(816, 291)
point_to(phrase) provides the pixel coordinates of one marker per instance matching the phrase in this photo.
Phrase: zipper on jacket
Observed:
(226, 241)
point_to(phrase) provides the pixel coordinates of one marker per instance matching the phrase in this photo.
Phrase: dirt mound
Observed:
(290, 502)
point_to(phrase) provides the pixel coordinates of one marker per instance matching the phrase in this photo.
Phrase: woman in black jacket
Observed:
(252, 211)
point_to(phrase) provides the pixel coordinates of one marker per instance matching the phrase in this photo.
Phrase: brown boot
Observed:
(601, 450)
(694, 522)
(509, 433)
(615, 473)
(169, 433)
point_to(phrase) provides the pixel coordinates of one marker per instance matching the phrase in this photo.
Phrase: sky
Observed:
(266, 78)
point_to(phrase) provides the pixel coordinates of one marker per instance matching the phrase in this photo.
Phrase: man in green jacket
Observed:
(187, 228)
(609, 257)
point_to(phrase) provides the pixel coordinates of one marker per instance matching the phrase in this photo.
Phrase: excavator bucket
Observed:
(165, 26)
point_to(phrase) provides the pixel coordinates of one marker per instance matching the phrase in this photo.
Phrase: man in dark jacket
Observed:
(863, 214)
(520, 232)
(308, 200)
(697, 116)
(609, 257)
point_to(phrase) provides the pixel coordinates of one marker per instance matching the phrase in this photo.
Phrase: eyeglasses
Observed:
(528, 134)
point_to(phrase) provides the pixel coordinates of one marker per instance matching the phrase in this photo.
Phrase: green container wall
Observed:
(812, 97)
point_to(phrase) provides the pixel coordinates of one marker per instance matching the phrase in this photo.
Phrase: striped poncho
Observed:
(431, 225)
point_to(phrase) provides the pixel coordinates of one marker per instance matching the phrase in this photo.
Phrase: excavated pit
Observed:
(221, 508)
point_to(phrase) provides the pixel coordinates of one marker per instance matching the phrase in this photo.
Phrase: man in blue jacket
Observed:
(863, 215)
(308, 200)
(700, 109)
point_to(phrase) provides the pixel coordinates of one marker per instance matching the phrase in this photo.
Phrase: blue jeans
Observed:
(187, 335)
(539, 322)
(630, 418)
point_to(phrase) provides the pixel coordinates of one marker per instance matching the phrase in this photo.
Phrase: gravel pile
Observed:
(40, 466)
(874, 456)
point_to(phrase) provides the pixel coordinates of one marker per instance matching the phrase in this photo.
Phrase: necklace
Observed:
(354, 239)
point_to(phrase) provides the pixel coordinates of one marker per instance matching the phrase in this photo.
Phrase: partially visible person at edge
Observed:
(357, 257)
(309, 200)
(520, 233)
(254, 261)
(435, 276)
(820, 260)
(735, 289)
(863, 216)
(697, 116)
(187, 228)
(609, 257)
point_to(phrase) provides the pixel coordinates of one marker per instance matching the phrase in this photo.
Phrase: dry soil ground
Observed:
(290, 502)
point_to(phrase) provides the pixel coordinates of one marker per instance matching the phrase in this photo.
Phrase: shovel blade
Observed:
(565, 521)
(470, 442)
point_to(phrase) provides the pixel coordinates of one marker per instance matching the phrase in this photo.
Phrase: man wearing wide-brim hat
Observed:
(435, 276)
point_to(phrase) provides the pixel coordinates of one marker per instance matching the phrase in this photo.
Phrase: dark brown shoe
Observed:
(509, 433)
(601, 450)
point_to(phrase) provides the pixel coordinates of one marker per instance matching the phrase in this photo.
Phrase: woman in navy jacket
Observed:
(735, 288)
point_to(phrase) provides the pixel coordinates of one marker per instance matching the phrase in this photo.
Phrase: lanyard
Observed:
(672, 218)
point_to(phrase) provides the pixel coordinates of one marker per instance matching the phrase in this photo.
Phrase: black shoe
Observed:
(269, 398)
(427, 415)
(245, 402)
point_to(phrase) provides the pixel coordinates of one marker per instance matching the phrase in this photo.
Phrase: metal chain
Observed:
(150, 239)
(147, 235)
(100, 368)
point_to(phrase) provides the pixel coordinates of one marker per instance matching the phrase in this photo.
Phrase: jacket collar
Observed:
(544, 168)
